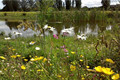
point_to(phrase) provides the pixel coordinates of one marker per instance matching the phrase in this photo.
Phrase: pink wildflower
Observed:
(63, 46)
(65, 50)
(65, 33)
(55, 36)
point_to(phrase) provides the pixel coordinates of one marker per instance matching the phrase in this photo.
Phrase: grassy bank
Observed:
(18, 15)
(62, 58)
(64, 16)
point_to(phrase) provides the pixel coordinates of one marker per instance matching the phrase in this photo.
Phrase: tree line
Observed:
(31, 5)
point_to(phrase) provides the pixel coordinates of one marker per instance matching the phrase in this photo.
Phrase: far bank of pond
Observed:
(64, 16)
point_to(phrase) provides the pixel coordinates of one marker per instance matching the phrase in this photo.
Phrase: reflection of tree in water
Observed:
(102, 26)
(80, 26)
(92, 26)
(58, 26)
(12, 24)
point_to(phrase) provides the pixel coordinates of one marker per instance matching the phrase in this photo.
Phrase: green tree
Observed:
(10, 5)
(59, 4)
(24, 5)
(78, 4)
(68, 3)
(15, 4)
(105, 4)
(73, 2)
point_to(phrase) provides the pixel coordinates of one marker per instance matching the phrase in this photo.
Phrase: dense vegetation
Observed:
(59, 56)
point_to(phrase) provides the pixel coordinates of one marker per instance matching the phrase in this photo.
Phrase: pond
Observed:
(90, 28)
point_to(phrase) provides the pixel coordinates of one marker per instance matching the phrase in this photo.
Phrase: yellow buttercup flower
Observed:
(25, 59)
(9, 48)
(44, 60)
(72, 68)
(72, 52)
(40, 70)
(37, 58)
(13, 49)
(98, 69)
(29, 55)
(81, 55)
(58, 75)
(110, 60)
(2, 57)
(87, 66)
(50, 64)
(13, 56)
(18, 55)
(115, 77)
(23, 67)
(5, 69)
(81, 60)
(104, 70)
(83, 78)
(107, 71)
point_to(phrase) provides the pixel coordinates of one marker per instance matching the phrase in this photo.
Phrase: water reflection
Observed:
(79, 28)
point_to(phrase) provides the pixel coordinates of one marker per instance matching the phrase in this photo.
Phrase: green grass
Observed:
(18, 15)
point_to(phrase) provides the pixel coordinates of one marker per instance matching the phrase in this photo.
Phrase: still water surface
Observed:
(79, 28)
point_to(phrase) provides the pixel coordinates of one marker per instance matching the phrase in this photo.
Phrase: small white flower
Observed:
(32, 59)
(108, 27)
(8, 64)
(71, 28)
(8, 38)
(41, 35)
(2, 60)
(68, 30)
(37, 48)
(12, 67)
(1, 72)
(45, 27)
(22, 42)
(82, 37)
(79, 37)
(32, 42)
(52, 29)
(17, 33)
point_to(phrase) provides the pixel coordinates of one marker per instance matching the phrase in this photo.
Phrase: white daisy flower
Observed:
(8, 38)
(37, 48)
(32, 42)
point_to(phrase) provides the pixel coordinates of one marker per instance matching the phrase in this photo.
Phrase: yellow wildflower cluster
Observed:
(104, 70)
(15, 56)
(72, 68)
(110, 60)
(37, 58)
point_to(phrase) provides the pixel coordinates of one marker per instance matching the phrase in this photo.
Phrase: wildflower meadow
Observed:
(60, 56)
